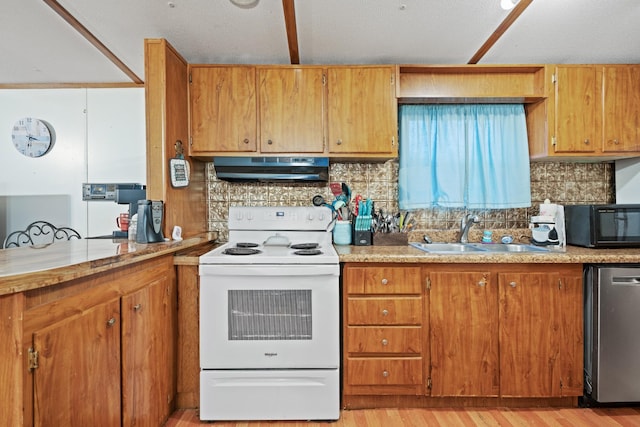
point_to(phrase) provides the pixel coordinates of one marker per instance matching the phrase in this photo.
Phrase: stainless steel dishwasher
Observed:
(612, 332)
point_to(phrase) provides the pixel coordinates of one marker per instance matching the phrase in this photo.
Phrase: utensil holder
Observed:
(342, 233)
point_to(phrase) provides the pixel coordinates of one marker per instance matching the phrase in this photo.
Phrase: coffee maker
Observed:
(150, 219)
(548, 228)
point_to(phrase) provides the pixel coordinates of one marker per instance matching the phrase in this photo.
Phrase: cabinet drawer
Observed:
(366, 339)
(375, 280)
(384, 311)
(384, 371)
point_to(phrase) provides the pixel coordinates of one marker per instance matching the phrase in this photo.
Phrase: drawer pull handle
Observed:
(111, 322)
(137, 307)
(481, 283)
(339, 142)
(384, 281)
(385, 373)
(385, 312)
(512, 284)
(246, 140)
(384, 341)
(270, 142)
(586, 142)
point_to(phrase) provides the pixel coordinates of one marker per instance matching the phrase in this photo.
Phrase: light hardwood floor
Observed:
(578, 417)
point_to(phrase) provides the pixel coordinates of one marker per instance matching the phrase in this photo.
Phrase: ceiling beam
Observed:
(71, 20)
(502, 28)
(292, 30)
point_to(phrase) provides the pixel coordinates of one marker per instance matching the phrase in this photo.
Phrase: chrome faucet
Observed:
(465, 224)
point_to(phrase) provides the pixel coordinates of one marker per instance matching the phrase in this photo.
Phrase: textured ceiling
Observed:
(38, 46)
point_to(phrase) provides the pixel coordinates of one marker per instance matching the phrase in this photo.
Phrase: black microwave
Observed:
(603, 226)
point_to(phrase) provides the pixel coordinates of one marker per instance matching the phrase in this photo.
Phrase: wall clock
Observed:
(32, 137)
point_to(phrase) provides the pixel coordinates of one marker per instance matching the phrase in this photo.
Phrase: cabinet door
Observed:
(291, 106)
(77, 381)
(621, 92)
(572, 339)
(463, 334)
(577, 100)
(148, 358)
(362, 110)
(223, 109)
(529, 330)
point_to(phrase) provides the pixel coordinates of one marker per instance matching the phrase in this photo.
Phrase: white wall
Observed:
(628, 181)
(100, 137)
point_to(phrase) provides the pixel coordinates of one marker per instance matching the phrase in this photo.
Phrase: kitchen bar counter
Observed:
(28, 268)
(409, 254)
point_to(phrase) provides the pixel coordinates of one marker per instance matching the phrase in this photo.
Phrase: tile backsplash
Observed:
(564, 183)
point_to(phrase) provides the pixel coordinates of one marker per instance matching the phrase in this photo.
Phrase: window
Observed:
(463, 156)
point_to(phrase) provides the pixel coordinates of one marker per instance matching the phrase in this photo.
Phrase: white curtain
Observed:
(463, 156)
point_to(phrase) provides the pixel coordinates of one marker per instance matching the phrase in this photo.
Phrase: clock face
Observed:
(32, 137)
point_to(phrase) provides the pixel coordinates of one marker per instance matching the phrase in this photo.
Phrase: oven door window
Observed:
(275, 314)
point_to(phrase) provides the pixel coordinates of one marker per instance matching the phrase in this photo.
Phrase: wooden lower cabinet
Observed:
(383, 330)
(102, 349)
(77, 381)
(540, 329)
(148, 330)
(462, 334)
(463, 320)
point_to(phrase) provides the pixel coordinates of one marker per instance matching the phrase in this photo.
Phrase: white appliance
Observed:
(269, 318)
(627, 177)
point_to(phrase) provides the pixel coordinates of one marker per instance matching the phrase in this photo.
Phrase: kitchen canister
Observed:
(342, 233)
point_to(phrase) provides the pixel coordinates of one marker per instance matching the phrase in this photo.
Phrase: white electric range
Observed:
(269, 318)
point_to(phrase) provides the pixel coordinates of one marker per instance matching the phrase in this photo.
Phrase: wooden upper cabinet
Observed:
(621, 97)
(577, 107)
(223, 109)
(362, 111)
(593, 111)
(291, 109)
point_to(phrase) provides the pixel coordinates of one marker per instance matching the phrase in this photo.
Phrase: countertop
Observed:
(26, 268)
(409, 254)
(23, 269)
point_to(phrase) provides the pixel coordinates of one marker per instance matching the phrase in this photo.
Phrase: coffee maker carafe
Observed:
(150, 218)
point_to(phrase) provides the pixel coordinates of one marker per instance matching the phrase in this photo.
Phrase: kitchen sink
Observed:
(510, 247)
(465, 248)
(447, 247)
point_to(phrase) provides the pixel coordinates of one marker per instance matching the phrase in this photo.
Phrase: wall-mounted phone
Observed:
(179, 168)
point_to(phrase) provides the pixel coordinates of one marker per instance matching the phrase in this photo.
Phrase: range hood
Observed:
(270, 169)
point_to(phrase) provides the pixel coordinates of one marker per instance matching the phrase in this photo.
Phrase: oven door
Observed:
(269, 316)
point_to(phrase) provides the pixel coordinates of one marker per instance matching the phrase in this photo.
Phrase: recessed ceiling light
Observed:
(245, 4)
(508, 4)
